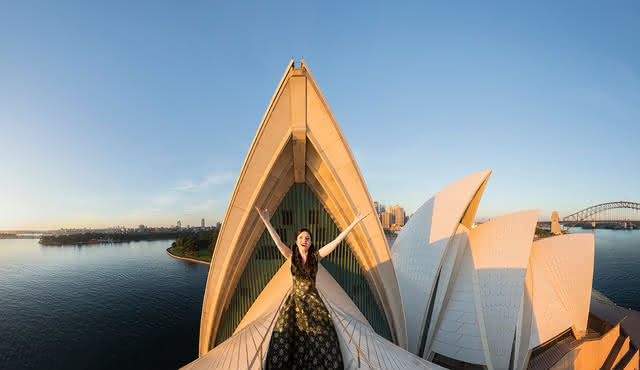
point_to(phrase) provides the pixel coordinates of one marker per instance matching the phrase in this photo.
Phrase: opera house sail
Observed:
(450, 292)
(300, 168)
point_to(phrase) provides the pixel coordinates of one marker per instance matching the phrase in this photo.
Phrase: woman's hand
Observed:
(264, 214)
(360, 216)
(324, 251)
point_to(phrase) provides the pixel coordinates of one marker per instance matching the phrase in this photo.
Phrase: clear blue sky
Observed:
(126, 113)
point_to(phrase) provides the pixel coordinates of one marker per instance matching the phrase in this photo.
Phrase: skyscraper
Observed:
(389, 211)
(386, 220)
(379, 207)
(202, 223)
(179, 225)
(398, 213)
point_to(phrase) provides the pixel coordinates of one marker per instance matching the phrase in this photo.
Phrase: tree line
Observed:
(85, 238)
(198, 245)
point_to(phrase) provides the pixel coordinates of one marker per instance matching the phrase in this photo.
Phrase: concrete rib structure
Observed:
(298, 142)
(361, 347)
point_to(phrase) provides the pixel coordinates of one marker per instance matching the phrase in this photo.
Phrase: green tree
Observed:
(190, 248)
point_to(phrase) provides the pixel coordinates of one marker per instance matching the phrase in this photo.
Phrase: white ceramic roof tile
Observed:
(451, 326)
(418, 251)
(465, 296)
(452, 315)
(367, 349)
(444, 281)
(548, 317)
(472, 356)
(468, 318)
(570, 263)
(445, 349)
(465, 324)
(562, 281)
(470, 342)
(500, 250)
(447, 337)
(469, 329)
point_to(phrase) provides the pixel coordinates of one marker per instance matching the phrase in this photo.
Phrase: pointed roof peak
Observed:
(298, 141)
(297, 63)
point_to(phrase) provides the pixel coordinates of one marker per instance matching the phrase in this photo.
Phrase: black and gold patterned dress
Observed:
(304, 336)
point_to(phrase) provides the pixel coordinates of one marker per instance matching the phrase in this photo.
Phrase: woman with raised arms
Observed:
(303, 336)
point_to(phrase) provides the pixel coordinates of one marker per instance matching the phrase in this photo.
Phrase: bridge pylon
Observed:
(556, 229)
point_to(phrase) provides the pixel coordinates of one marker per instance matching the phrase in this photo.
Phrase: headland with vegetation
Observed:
(198, 246)
(542, 233)
(195, 244)
(98, 238)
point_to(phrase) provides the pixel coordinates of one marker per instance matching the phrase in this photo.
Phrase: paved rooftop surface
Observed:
(606, 310)
(631, 327)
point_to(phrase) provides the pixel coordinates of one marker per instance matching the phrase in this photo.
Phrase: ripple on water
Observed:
(111, 306)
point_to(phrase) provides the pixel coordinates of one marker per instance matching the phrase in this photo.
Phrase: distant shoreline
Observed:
(186, 258)
(106, 238)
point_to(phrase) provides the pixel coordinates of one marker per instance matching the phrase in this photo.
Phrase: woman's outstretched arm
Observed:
(264, 215)
(324, 251)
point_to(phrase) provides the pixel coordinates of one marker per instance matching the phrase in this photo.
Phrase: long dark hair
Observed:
(312, 258)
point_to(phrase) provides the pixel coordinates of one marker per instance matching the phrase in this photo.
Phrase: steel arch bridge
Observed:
(606, 212)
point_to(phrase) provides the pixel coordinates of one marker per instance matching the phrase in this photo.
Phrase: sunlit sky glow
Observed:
(126, 113)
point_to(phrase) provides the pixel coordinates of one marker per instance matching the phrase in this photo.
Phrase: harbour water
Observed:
(131, 306)
(617, 265)
(109, 306)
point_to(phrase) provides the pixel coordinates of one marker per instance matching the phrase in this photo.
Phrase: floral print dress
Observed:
(304, 336)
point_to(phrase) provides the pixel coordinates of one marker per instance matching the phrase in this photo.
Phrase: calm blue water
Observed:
(617, 266)
(97, 307)
(132, 306)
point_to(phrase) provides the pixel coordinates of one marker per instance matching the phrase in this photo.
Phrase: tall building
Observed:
(379, 207)
(179, 225)
(391, 217)
(398, 213)
(202, 224)
(386, 220)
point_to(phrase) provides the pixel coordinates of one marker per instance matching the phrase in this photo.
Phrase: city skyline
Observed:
(144, 116)
(398, 217)
(396, 213)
